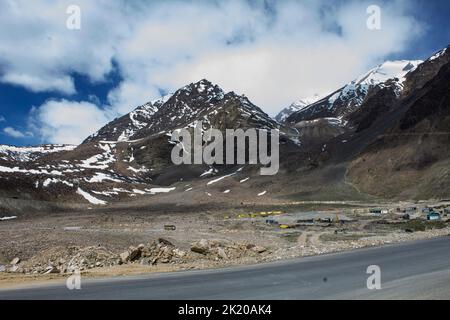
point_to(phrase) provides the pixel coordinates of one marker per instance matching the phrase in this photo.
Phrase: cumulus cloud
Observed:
(63, 121)
(273, 51)
(16, 133)
(40, 83)
(38, 52)
(296, 55)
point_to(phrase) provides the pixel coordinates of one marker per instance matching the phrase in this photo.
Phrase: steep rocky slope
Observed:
(412, 159)
(298, 105)
(349, 98)
(130, 156)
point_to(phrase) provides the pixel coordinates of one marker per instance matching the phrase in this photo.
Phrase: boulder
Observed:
(14, 268)
(135, 253)
(259, 249)
(165, 242)
(14, 261)
(147, 251)
(124, 257)
(201, 247)
(179, 253)
(51, 269)
(221, 253)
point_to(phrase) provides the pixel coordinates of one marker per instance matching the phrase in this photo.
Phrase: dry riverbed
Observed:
(51, 247)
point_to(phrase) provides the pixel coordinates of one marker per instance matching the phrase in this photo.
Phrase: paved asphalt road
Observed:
(416, 270)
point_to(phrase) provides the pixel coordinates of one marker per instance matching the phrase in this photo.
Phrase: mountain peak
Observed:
(203, 90)
(204, 82)
(296, 106)
(192, 102)
(201, 86)
(439, 53)
(352, 95)
(388, 70)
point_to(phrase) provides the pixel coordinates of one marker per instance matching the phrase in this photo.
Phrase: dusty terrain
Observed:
(117, 241)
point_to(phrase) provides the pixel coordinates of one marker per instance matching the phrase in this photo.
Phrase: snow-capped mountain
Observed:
(294, 107)
(394, 104)
(347, 99)
(130, 154)
(197, 101)
(23, 154)
(123, 128)
(438, 54)
(407, 155)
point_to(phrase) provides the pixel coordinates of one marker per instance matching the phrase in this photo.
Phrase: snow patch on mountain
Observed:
(8, 218)
(160, 190)
(352, 95)
(49, 181)
(90, 198)
(101, 177)
(294, 107)
(438, 54)
(390, 70)
(355, 92)
(24, 154)
(29, 171)
(101, 160)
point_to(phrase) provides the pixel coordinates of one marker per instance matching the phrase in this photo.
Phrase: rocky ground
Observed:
(97, 243)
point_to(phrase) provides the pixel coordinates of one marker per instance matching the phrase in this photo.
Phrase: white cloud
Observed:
(40, 53)
(274, 55)
(16, 133)
(63, 121)
(40, 83)
(295, 57)
(2, 118)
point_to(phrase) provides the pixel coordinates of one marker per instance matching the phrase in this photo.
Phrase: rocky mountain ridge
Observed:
(391, 123)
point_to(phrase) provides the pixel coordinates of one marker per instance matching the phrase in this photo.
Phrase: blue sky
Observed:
(59, 85)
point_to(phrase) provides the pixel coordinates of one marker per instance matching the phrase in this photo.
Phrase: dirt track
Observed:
(116, 229)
